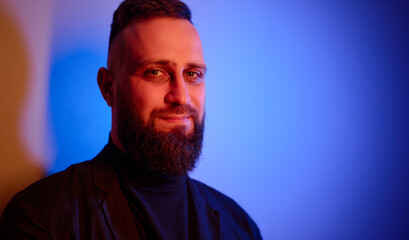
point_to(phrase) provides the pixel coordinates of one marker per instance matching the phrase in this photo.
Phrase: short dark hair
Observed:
(141, 10)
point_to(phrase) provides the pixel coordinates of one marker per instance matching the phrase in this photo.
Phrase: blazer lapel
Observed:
(119, 218)
(206, 213)
(213, 222)
(114, 204)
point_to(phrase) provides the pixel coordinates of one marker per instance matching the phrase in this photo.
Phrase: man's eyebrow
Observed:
(168, 62)
(149, 61)
(201, 66)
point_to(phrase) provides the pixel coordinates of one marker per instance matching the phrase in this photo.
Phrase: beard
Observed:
(172, 153)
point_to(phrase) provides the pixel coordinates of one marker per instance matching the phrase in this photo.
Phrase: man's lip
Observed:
(175, 117)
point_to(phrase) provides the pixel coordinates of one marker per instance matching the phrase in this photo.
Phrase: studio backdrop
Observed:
(306, 110)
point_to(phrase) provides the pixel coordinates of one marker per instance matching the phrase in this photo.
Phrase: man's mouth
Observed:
(176, 119)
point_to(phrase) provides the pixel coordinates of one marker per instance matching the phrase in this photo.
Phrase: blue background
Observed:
(307, 109)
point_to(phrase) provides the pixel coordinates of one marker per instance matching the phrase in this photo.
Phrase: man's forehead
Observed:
(158, 39)
(154, 26)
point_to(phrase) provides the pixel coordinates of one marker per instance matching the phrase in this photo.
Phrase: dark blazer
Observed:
(86, 202)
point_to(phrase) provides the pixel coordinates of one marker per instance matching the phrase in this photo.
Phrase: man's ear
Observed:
(106, 85)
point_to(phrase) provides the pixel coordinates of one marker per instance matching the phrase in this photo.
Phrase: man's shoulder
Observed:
(214, 196)
(57, 186)
(57, 205)
(70, 175)
(229, 211)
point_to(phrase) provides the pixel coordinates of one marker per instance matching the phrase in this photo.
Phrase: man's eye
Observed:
(156, 75)
(155, 72)
(193, 76)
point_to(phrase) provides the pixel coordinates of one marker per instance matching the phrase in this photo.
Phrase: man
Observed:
(138, 187)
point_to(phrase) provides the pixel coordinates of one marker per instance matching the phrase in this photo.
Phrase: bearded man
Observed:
(137, 187)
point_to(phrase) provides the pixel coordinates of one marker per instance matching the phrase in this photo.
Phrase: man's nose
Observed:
(178, 91)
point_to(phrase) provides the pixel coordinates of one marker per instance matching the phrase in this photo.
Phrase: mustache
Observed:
(185, 110)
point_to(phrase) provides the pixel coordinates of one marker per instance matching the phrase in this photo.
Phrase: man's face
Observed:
(159, 65)
(159, 94)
